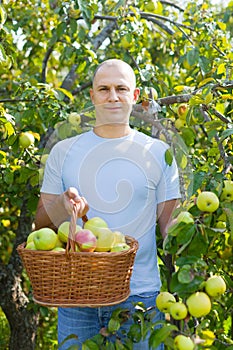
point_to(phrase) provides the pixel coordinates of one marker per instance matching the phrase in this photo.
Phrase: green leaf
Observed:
(169, 156)
(192, 56)
(225, 134)
(159, 335)
(113, 325)
(3, 15)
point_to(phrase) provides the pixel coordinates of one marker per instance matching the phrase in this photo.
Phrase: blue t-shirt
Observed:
(123, 180)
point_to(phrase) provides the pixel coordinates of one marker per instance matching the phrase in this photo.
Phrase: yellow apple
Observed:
(215, 286)
(199, 304)
(63, 231)
(44, 158)
(45, 239)
(105, 239)
(30, 237)
(95, 223)
(30, 245)
(178, 311)
(181, 342)
(74, 119)
(164, 300)
(227, 192)
(58, 249)
(119, 237)
(180, 123)
(182, 111)
(207, 201)
(26, 139)
(119, 247)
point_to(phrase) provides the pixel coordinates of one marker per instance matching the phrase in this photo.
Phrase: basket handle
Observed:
(70, 246)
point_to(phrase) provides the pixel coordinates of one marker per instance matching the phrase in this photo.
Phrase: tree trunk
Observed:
(23, 321)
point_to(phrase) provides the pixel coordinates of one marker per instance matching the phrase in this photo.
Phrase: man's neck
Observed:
(112, 131)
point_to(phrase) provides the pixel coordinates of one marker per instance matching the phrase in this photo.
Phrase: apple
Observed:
(45, 239)
(207, 201)
(180, 123)
(125, 43)
(44, 158)
(86, 240)
(150, 6)
(181, 342)
(74, 119)
(105, 239)
(95, 223)
(185, 217)
(215, 286)
(58, 249)
(182, 111)
(119, 247)
(30, 245)
(119, 237)
(178, 311)
(63, 231)
(164, 300)
(26, 139)
(59, 243)
(199, 304)
(227, 192)
(30, 236)
(207, 336)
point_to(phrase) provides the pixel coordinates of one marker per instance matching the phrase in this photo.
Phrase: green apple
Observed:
(74, 119)
(26, 139)
(30, 245)
(215, 286)
(58, 249)
(180, 123)
(30, 237)
(182, 111)
(63, 231)
(94, 223)
(207, 201)
(181, 342)
(44, 158)
(105, 239)
(178, 311)
(227, 192)
(59, 243)
(185, 217)
(199, 304)
(119, 237)
(86, 240)
(164, 300)
(45, 239)
(119, 247)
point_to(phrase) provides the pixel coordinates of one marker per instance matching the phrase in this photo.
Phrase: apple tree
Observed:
(182, 56)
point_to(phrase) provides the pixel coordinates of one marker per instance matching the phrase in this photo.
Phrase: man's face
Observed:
(113, 94)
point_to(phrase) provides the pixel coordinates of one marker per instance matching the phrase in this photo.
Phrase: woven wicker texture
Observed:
(79, 278)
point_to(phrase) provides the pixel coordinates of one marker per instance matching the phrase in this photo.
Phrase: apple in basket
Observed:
(86, 240)
(120, 247)
(63, 231)
(105, 237)
(45, 239)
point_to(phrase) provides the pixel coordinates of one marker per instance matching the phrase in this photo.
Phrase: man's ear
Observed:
(92, 96)
(136, 94)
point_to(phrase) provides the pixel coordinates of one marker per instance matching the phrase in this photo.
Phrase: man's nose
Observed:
(113, 96)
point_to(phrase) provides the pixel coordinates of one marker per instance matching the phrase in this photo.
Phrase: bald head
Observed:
(111, 63)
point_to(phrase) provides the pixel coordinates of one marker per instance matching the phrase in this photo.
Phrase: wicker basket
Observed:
(72, 278)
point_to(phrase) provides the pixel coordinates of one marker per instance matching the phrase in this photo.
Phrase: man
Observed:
(120, 175)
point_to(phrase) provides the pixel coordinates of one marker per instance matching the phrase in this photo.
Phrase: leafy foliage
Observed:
(48, 53)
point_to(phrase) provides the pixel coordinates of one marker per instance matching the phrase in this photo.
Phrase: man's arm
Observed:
(53, 209)
(164, 215)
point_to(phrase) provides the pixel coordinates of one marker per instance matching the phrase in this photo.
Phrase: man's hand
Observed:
(71, 197)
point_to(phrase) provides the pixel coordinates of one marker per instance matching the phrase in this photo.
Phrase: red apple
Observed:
(86, 240)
